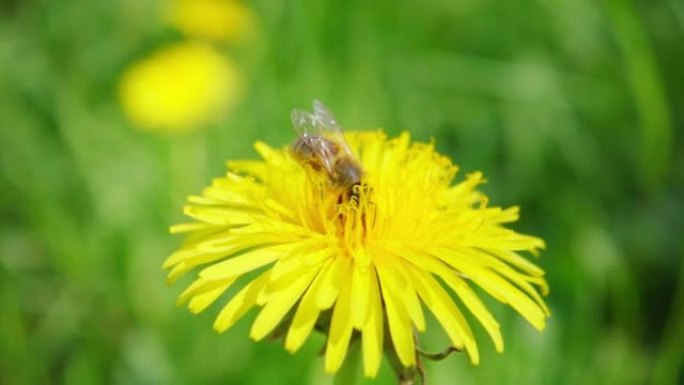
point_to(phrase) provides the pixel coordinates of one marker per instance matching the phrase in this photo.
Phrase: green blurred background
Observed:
(573, 109)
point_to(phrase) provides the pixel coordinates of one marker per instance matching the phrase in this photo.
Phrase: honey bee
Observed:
(321, 147)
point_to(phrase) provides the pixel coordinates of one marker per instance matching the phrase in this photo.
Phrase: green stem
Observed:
(405, 376)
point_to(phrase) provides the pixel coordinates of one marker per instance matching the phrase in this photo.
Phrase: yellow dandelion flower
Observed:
(360, 264)
(179, 88)
(218, 20)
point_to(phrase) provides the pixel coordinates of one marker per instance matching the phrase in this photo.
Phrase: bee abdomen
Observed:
(347, 172)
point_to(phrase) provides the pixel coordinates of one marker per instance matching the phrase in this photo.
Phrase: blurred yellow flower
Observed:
(361, 267)
(179, 88)
(218, 20)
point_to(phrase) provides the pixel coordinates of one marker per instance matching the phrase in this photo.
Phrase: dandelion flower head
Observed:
(410, 239)
(216, 20)
(179, 87)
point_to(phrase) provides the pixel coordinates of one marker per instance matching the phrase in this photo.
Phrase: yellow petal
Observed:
(201, 301)
(235, 190)
(241, 264)
(397, 279)
(222, 215)
(360, 283)
(460, 193)
(409, 297)
(511, 295)
(469, 298)
(446, 312)
(210, 251)
(399, 322)
(497, 286)
(279, 304)
(180, 256)
(269, 154)
(256, 168)
(517, 260)
(309, 253)
(331, 283)
(372, 332)
(188, 227)
(201, 286)
(275, 287)
(240, 304)
(306, 315)
(340, 331)
(475, 305)
(523, 283)
(177, 272)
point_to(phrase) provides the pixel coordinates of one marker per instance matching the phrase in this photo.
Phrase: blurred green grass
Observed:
(572, 109)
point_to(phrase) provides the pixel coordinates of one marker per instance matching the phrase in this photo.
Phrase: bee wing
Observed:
(325, 117)
(309, 126)
(318, 127)
(326, 154)
(328, 125)
(321, 122)
(304, 123)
